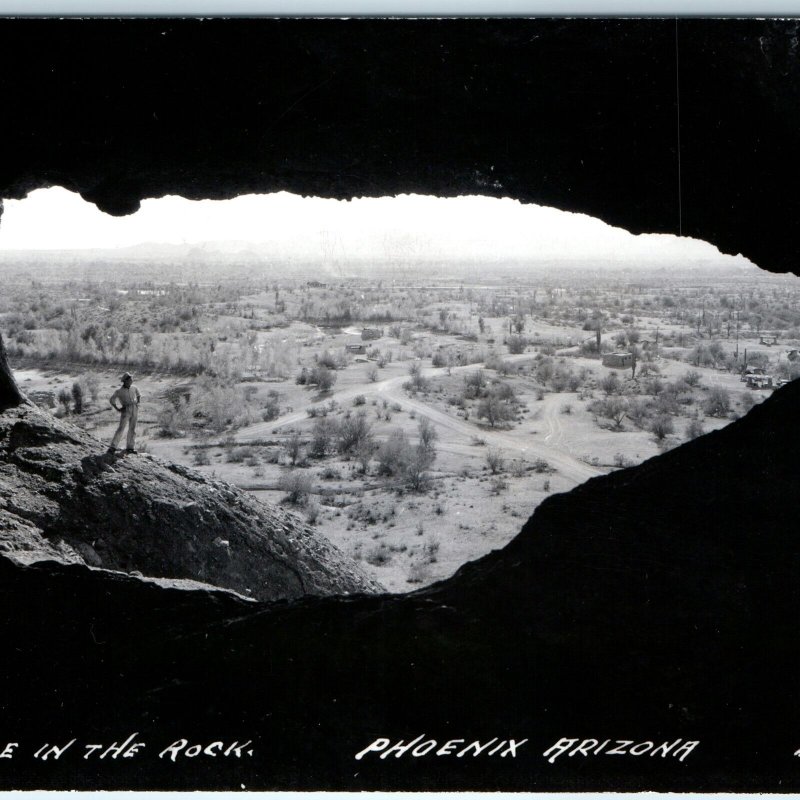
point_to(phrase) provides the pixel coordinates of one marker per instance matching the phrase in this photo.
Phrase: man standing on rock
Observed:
(128, 398)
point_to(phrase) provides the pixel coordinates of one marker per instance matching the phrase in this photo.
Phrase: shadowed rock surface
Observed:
(63, 497)
(623, 610)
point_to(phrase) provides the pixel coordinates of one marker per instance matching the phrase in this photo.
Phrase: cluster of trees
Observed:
(352, 437)
(73, 400)
(229, 356)
(397, 457)
(214, 405)
(654, 404)
(492, 400)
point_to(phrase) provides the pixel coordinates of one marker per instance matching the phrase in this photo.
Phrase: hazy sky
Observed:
(403, 227)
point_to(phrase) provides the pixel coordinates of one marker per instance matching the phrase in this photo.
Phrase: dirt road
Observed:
(391, 389)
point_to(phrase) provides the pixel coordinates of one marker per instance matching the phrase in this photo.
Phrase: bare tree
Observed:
(294, 448)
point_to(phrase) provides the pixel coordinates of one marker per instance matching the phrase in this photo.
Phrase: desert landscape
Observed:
(414, 422)
(530, 226)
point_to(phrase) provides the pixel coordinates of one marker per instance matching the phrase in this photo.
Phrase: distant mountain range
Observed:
(234, 258)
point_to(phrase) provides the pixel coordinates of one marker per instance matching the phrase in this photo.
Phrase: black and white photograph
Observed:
(399, 404)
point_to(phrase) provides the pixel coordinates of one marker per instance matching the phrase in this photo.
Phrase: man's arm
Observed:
(112, 399)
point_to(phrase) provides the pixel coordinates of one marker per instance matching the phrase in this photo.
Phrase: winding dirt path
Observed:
(551, 449)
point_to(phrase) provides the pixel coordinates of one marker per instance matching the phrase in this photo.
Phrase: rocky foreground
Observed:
(64, 498)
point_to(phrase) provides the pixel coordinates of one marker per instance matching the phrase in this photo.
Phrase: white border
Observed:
(416, 8)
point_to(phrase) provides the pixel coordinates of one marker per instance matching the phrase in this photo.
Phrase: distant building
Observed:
(371, 333)
(757, 378)
(316, 285)
(769, 340)
(758, 381)
(618, 360)
(360, 349)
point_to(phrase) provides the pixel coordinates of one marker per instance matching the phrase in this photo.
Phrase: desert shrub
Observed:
(418, 383)
(440, 359)
(378, 555)
(92, 383)
(312, 512)
(654, 386)
(237, 455)
(540, 465)
(717, 403)
(612, 407)
(427, 435)
(430, 550)
(418, 572)
(294, 448)
(495, 361)
(174, 418)
(398, 457)
(610, 384)
(668, 401)
(394, 454)
(495, 461)
(77, 398)
(756, 359)
(359, 400)
(352, 432)
(496, 410)
(364, 452)
(322, 435)
(621, 461)
(692, 378)
(65, 399)
(516, 344)
(638, 412)
(272, 408)
(518, 468)
(297, 486)
(747, 401)
(322, 377)
(474, 382)
(694, 429)
(662, 426)
(327, 360)
(200, 457)
(503, 391)
(222, 405)
(498, 485)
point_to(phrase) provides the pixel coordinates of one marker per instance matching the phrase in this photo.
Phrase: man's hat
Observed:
(125, 376)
